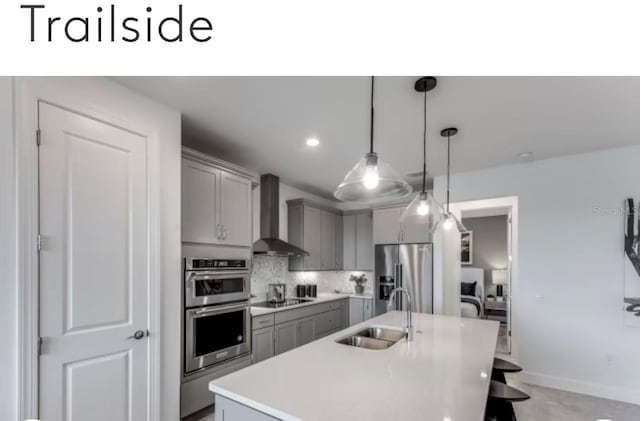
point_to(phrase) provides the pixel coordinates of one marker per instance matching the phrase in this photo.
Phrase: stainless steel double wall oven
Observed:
(217, 314)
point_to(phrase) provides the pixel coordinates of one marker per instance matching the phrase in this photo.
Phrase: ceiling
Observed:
(262, 122)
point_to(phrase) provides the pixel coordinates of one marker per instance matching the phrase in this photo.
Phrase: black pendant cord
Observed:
(371, 132)
(424, 146)
(448, 168)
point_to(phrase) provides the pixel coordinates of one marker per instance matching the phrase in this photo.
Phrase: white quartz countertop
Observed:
(321, 298)
(442, 375)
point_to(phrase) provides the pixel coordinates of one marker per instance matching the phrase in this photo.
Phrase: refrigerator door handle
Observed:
(400, 283)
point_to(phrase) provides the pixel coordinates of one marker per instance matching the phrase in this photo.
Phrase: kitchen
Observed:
(237, 318)
(240, 279)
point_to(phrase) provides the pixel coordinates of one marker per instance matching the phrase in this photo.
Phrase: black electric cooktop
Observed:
(285, 303)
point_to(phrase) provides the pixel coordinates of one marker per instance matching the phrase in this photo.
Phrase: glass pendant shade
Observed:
(447, 222)
(423, 209)
(372, 180)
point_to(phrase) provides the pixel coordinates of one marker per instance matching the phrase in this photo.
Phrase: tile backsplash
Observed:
(269, 269)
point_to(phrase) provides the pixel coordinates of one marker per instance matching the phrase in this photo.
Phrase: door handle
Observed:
(138, 334)
(219, 231)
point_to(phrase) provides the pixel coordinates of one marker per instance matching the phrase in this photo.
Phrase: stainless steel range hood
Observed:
(269, 244)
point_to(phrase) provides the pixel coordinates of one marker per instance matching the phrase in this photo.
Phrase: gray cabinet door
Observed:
(262, 343)
(368, 309)
(338, 242)
(328, 240)
(356, 311)
(349, 242)
(386, 226)
(200, 184)
(364, 241)
(415, 231)
(235, 209)
(306, 330)
(285, 337)
(312, 238)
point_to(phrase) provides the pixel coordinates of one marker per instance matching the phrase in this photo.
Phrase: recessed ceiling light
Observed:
(312, 141)
(525, 156)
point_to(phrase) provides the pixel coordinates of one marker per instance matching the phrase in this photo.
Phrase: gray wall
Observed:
(489, 245)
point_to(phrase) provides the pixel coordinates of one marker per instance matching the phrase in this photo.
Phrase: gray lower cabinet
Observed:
(285, 330)
(262, 342)
(230, 410)
(306, 330)
(360, 309)
(285, 337)
(356, 311)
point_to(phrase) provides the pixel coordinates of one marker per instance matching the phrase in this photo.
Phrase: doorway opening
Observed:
(488, 263)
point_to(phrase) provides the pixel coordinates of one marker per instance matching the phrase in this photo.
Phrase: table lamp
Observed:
(499, 278)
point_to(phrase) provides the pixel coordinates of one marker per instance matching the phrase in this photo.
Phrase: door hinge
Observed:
(39, 242)
(40, 341)
(38, 137)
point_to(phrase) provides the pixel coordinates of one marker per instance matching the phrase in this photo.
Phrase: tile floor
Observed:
(553, 405)
(556, 405)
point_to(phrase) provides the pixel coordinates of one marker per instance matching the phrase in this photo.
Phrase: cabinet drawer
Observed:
(265, 320)
(306, 311)
(330, 320)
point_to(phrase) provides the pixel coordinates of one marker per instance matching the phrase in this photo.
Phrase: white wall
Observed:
(8, 299)
(567, 305)
(103, 97)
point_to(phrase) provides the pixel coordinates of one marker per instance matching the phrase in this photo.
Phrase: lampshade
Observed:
(372, 180)
(421, 209)
(446, 221)
(499, 276)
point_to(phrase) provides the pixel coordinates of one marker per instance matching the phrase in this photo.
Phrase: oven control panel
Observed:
(198, 263)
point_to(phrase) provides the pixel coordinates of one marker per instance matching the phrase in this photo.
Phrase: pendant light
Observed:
(423, 206)
(449, 220)
(372, 179)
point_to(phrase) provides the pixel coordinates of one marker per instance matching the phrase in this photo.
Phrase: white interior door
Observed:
(94, 279)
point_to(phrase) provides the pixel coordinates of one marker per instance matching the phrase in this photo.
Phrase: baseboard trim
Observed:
(586, 388)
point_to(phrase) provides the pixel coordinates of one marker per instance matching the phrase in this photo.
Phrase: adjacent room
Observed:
(320, 248)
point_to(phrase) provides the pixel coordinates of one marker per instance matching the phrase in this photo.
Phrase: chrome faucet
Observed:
(409, 327)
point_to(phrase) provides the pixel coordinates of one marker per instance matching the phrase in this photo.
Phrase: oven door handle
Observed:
(219, 275)
(219, 309)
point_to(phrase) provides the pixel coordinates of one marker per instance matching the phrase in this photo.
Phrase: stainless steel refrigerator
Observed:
(404, 265)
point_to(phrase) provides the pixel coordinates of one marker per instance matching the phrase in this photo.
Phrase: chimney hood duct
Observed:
(269, 244)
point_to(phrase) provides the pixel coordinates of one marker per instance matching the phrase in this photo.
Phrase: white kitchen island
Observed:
(442, 375)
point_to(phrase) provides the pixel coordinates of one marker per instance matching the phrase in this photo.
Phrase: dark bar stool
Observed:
(500, 402)
(500, 367)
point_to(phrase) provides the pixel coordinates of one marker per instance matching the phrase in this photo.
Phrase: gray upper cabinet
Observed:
(316, 229)
(328, 240)
(200, 184)
(386, 226)
(339, 251)
(357, 241)
(216, 201)
(235, 205)
(349, 242)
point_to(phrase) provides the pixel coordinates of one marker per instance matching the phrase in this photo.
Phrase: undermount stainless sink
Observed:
(373, 338)
(390, 335)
